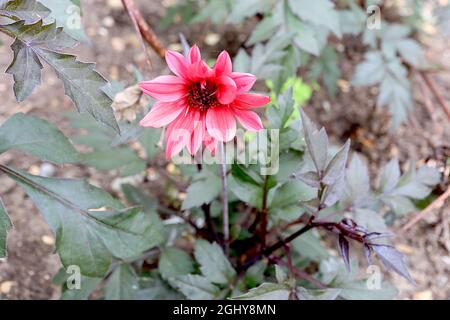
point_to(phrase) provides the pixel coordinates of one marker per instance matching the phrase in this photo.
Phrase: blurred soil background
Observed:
(31, 264)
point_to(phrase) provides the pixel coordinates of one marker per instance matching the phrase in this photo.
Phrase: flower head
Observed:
(200, 104)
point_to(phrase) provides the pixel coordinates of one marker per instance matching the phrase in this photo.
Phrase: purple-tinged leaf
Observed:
(393, 259)
(316, 142)
(378, 235)
(333, 193)
(336, 168)
(310, 178)
(311, 205)
(390, 176)
(344, 248)
(368, 253)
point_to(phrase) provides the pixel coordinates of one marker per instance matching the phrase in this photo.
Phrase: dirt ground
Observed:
(27, 272)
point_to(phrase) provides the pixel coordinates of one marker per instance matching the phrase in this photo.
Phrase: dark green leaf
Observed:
(81, 82)
(29, 11)
(37, 137)
(122, 284)
(149, 140)
(266, 291)
(123, 159)
(196, 287)
(213, 262)
(5, 225)
(204, 189)
(87, 238)
(319, 12)
(174, 262)
(323, 294)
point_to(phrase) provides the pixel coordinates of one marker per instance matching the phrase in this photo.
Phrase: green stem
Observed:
(223, 177)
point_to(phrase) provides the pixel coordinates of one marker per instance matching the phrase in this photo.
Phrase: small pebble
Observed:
(212, 39)
(423, 295)
(48, 240)
(5, 287)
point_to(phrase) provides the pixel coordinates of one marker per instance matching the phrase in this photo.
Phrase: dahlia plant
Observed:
(160, 229)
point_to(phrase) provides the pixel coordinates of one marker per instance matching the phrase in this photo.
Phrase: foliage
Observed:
(138, 244)
(291, 33)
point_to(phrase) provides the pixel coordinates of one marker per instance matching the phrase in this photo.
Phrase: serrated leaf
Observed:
(174, 262)
(390, 176)
(245, 191)
(371, 71)
(29, 11)
(327, 65)
(5, 226)
(149, 140)
(81, 82)
(317, 143)
(334, 192)
(243, 9)
(311, 178)
(196, 287)
(400, 205)
(264, 30)
(309, 246)
(123, 159)
(156, 289)
(393, 259)
(359, 290)
(411, 52)
(122, 284)
(37, 137)
(319, 12)
(322, 294)
(213, 262)
(204, 189)
(87, 285)
(371, 220)
(266, 291)
(87, 238)
(280, 274)
(336, 167)
(290, 193)
(357, 182)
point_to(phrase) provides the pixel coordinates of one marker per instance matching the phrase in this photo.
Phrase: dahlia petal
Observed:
(177, 63)
(194, 54)
(199, 70)
(250, 100)
(244, 81)
(164, 88)
(210, 143)
(221, 124)
(161, 114)
(223, 66)
(249, 120)
(226, 89)
(197, 136)
(179, 132)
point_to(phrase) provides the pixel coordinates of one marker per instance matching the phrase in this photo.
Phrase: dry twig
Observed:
(144, 31)
(438, 203)
(432, 86)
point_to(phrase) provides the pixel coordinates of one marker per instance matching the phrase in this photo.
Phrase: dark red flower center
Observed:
(202, 96)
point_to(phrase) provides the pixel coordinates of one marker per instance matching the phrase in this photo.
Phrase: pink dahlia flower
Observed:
(199, 104)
